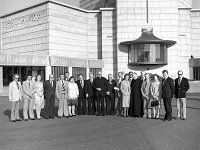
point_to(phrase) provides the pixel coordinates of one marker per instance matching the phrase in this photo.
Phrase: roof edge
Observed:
(42, 2)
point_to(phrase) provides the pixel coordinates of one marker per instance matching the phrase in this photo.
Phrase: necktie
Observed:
(63, 86)
(29, 84)
(17, 85)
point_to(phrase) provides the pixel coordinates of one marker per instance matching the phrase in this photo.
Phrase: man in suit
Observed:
(145, 90)
(49, 96)
(118, 102)
(110, 96)
(15, 96)
(28, 95)
(89, 91)
(181, 87)
(81, 99)
(167, 94)
(67, 75)
(61, 94)
(100, 85)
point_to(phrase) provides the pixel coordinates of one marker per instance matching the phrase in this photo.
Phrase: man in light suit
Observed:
(15, 96)
(167, 94)
(28, 95)
(181, 87)
(61, 94)
(145, 90)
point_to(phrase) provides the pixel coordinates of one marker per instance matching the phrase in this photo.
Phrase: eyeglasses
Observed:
(180, 74)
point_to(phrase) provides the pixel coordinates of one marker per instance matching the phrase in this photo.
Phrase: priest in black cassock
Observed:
(136, 102)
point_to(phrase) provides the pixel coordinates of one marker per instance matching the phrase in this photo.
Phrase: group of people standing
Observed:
(129, 95)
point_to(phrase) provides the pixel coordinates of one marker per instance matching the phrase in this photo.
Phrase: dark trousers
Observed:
(49, 107)
(91, 106)
(81, 106)
(168, 108)
(110, 104)
(100, 104)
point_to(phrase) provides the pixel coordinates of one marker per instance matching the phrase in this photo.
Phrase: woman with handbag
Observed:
(155, 90)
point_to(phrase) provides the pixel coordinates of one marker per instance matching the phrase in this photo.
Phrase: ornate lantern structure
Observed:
(148, 49)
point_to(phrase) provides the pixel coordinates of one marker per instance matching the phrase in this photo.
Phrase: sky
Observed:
(7, 6)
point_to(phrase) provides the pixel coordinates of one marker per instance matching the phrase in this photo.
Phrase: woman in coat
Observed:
(155, 90)
(126, 91)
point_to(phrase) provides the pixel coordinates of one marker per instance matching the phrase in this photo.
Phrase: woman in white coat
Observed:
(15, 96)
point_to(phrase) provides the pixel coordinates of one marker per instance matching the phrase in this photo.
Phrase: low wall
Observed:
(194, 87)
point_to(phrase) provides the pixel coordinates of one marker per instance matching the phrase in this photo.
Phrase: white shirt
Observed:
(73, 91)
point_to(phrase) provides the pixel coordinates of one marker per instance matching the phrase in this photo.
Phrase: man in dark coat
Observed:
(181, 87)
(110, 96)
(81, 99)
(100, 85)
(89, 91)
(167, 94)
(136, 102)
(49, 96)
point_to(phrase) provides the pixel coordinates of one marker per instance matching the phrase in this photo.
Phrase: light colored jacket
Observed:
(155, 90)
(15, 94)
(59, 89)
(145, 89)
(73, 91)
(28, 92)
(125, 88)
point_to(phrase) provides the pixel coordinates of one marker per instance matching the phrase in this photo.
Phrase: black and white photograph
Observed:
(99, 74)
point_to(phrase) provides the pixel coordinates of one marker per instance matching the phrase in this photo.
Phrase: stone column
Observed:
(48, 71)
(1, 79)
(70, 71)
(109, 49)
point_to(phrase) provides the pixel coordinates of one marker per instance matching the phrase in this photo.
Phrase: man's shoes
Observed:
(12, 120)
(25, 119)
(66, 116)
(32, 118)
(18, 119)
(97, 114)
(59, 117)
(184, 119)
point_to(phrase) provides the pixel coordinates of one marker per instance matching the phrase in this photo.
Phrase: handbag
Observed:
(154, 103)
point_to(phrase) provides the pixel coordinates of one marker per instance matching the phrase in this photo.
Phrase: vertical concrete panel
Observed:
(1, 79)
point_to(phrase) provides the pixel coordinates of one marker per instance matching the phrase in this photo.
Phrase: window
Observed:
(148, 53)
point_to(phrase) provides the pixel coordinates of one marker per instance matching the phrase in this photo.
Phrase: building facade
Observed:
(51, 37)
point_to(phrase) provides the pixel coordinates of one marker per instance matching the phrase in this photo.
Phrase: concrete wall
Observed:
(25, 32)
(163, 17)
(94, 35)
(1, 79)
(68, 30)
(184, 40)
(109, 45)
(195, 31)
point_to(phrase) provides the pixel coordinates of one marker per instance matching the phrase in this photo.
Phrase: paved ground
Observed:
(101, 133)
